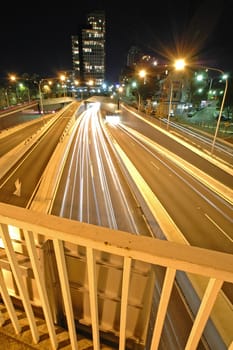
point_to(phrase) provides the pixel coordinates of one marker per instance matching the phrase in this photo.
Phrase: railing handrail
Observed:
(38, 229)
(197, 260)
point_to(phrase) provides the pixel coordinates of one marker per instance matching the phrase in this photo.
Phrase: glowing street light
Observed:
(62, 77)
(178, 65)
(224, 77)
(22, 87)
(142, 74)
(13, 79)
(49, 80)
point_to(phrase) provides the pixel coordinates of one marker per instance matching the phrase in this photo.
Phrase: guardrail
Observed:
(127, 263)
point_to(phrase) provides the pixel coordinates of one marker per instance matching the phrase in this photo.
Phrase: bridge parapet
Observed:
(128, 264)
(58, 100)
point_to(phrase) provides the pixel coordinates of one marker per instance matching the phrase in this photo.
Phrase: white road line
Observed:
(213, 222)
(154, 165)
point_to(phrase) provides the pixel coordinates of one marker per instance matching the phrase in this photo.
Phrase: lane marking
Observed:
(220, 229)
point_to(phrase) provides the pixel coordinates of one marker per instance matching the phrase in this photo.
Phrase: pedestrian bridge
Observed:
(117, 284)
(58, 100)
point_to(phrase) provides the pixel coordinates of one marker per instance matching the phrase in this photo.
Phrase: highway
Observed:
(18, 185)
(94, 171)
(92, 187)
(21, 134)
(115, 174)
(184, 148)
(202, 216)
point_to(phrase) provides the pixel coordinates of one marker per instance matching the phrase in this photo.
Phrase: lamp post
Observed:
(22, 87)
(41, 97)
(139, 101)
(222, 105)
(118, 99)
(170, 104)
(134, 86)
(179, 65)
(7, 98)
(13, 79)
(49, 80)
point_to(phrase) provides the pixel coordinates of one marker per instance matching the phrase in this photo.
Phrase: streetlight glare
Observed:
(62, 77)
(179, 64)
(199, 77)
(142, 73)
(12, 77)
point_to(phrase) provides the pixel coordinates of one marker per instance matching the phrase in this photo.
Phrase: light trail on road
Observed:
(93, 191)
(90, 189)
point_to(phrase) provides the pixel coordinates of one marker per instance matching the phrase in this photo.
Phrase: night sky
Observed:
(37, 39)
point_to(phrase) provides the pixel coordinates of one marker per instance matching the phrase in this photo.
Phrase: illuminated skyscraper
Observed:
(88, 50)
(76, 56)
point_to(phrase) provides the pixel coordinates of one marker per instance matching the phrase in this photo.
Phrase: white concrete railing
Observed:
(58, 100)
(135, 259)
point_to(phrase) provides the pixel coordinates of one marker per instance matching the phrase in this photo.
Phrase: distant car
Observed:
(224, 118)
(190, 114)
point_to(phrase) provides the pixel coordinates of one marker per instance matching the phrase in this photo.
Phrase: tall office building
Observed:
(76, 56)
(88, 50)
(134, 56)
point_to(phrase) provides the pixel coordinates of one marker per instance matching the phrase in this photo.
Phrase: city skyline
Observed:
(41, 43)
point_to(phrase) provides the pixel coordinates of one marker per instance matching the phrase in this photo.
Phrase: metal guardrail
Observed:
(132, 258)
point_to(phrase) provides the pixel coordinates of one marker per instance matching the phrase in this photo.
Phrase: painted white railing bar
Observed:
(124, 301)
(60, 257)
(4, 233)
(31, 247)
(204, 311)
(91, 267)
(164, 300)
(9, 306)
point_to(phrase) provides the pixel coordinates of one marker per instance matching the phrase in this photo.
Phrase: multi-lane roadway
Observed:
(132, 176)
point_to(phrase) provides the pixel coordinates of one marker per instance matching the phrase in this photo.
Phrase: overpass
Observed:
(55, 103)
(58, 100)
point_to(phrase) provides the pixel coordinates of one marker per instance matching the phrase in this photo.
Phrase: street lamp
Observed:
(40, 96)
(224, 76)
(49, 80)
(13, 79)
(7, 99)
(40, 105)
(118, 100)
(221, 108)
(22, 87)
(179, 65)
(134, 85)
(142, 74)
(170, 104)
